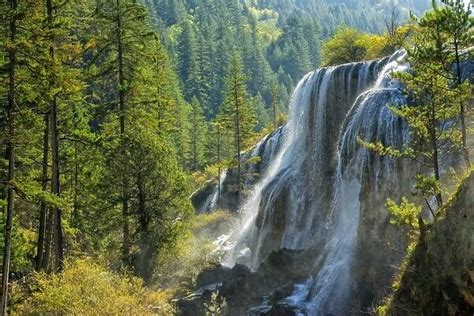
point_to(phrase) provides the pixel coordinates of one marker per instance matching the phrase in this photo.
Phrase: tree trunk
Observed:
(75, 206)
(55, 187)
(145, 267)
(435, 153)
(121, 92)
(195, 140)
(3, 191)
(43, 206)
(462, 109)
(11, 111)
(238, 136)
(219, 190)
(55, 174)
(48, 240)
(274, 108)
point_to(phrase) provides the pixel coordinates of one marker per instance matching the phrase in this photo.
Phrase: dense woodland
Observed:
(114, 112)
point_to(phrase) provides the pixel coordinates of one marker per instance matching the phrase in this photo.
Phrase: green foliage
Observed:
(346, 46)
(129, 125)
(438, 263)
(278, 41)
(237, 118)
(90, 49)
(198, 133)
(437, 95)
(427, 186)
(20, 247)
(383, 150)
(236, 115)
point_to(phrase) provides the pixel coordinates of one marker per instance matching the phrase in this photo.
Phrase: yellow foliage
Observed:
(405, 213)
(375, 45)
(350, 45)
(87, 288)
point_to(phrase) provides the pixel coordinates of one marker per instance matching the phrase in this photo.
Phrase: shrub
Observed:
(87, 288)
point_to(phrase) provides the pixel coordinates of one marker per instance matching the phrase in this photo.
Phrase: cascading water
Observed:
(369, 119)
(311, 192)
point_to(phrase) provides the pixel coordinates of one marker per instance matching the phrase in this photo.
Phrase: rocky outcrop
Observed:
(439, 278)
(252, 292)
(202, 197)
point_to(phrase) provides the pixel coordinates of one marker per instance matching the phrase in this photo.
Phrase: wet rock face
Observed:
(277, 222)
(380, 245)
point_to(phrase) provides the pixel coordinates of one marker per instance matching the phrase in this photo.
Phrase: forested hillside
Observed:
(279, 41)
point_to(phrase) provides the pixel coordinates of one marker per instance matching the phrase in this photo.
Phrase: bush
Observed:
(350, 45)
(87, 288)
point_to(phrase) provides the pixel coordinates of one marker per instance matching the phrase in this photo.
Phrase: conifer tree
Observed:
(12, 107)
(121, 41)
(431, 112)
(447, 34)
(152, 189)
(236, 114)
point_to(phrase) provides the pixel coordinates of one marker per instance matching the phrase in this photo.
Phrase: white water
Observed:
(280, 162)
(330, 290)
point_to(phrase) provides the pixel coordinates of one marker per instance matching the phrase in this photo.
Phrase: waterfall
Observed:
(370, 119)
(310, 194)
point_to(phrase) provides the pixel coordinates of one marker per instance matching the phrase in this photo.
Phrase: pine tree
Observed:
(188, 64)
(447, 34)
(12, 107)
(140, 152)
(236, 114)
(275, 97)
(431, 113)
(121, 41)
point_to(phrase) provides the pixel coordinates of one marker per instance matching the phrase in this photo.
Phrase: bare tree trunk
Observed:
(55, 188)
(11, 111)
(75, 206)
(43, 206)
(3, 191)
(145, 263)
